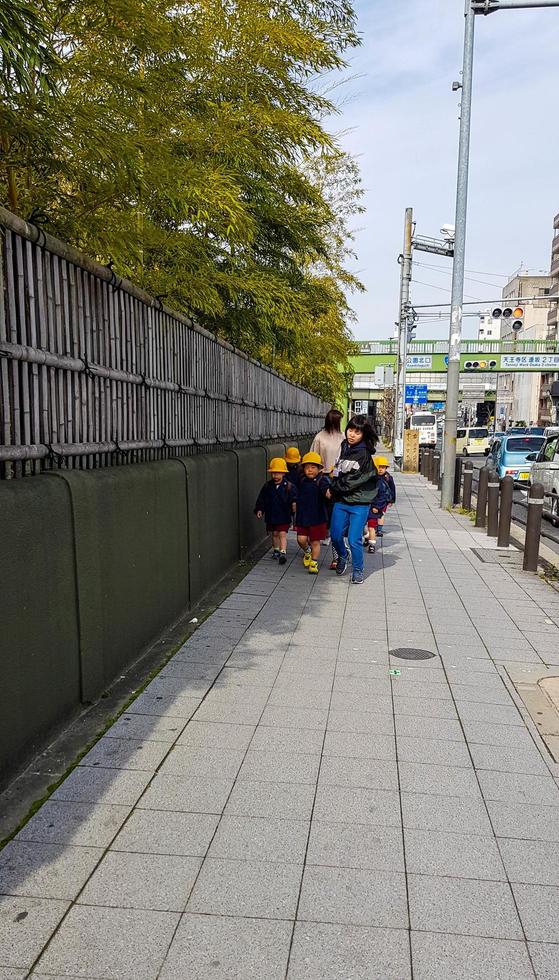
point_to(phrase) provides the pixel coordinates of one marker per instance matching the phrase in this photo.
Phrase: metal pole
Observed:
(436, 469)
(457, 479)
(505, 514)
(405, 279)
(491, 6)
(481, 508)
(457, 295)
(533, 528)
(493, 505)
(467, 491)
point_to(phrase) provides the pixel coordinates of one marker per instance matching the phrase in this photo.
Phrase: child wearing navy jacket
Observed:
(312, 512)
(293, 459)
(384, 499)
(276, 502)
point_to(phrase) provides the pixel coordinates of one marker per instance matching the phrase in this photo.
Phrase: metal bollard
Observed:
(481, 508)
(467, 491)
(426, 454)
(505, 511)
(493, 505)
(436, 476)
(533, 528)
(457, 479)
(429, 470)
(422, 461)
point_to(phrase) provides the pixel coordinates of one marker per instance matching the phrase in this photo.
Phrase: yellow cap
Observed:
(277, 465)
(312, 458)
(380, 461)
(292, 455)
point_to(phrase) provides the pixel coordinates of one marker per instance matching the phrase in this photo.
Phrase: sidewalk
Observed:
(278, 805)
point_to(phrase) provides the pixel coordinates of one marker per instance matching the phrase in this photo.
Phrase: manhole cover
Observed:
(494, 557)
(409, 653)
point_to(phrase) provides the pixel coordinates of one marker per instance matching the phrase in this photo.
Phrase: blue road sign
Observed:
(416, 394)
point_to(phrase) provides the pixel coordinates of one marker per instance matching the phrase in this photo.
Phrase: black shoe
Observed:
(357, 578)
(341, 566)
(371, 549)
(380, 532)
(282, 557)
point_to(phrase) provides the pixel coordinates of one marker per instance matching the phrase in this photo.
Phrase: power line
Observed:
(475, 272)
(444, 289)
(448, 272)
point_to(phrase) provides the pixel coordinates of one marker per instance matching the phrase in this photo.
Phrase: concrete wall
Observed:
(95, 564)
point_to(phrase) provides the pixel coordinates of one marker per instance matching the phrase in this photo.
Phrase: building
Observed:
(519, 395)
(489, 327)
(546, 411)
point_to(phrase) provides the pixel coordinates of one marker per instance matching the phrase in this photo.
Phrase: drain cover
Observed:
(496, 557)
(410, 653)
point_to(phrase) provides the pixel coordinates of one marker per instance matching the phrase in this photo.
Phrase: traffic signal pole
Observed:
(472, 7)
(405, 279)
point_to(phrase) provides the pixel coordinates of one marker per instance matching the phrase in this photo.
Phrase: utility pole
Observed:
(472, 7)
(405, 279)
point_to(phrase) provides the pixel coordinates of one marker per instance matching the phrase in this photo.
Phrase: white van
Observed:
(472, 441)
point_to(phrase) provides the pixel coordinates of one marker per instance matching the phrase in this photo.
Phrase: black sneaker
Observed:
(380, 532)
(357, 578)
(371, 549)
(341, 567)
(282, 557)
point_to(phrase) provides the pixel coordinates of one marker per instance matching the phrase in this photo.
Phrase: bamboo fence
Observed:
(95, 372)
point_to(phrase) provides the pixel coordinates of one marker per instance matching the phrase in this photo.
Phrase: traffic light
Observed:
(480, 365)
(517, 318)
(514, 318)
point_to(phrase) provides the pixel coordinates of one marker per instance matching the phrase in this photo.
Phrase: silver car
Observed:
(545, 470)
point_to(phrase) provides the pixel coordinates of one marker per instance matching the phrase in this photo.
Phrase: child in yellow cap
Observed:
(276, 502)
(385, 497)
(312, 513)
(293, 459)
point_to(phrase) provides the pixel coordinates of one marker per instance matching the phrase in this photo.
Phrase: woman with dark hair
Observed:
(354, 487)
(327, 442)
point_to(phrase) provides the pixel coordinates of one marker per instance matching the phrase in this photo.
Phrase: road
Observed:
(549, 533)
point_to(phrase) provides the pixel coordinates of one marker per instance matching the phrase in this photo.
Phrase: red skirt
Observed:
(316, 532)
(275, 528)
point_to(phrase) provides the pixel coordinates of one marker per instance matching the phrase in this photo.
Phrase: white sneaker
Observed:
(326, 542)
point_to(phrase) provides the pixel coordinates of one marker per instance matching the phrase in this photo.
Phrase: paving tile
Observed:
(484, 733)
(449, 814)
(276, 768)
(344, 720)
(168, 705)
(523, 821)
(190, 794)
(234, 714)
(324, 951)
(167, 832)
(233, 948)
(441, 729)
(7, 973)
(545, 958)
(433, 752)
(151, 728)
(518, 758)
(456, 855)
(114, 786)
(352, 845)
(354, 897)
(46, 870)
(259, 839)
(274, 800)
(438, 957)
(303, 718)
(538, 907)
(255, 888)
(299, 697)
(105, 942)
(359, 745)
(126, 753)
(26, 925)
(495, 714)
(371, 773)
(350, 804)
(213, 735)
(74, 823)
(217, 763)
(463, 907)
(531, 861)
(416, 777)
(142, 881)
(287, 740)
(519, 788)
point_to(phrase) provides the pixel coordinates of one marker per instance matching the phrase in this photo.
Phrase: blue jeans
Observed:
(349, 520)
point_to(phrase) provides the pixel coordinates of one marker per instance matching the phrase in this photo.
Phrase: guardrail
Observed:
(495, 501)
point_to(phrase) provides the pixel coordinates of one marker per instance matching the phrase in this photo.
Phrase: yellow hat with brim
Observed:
(313, 458)
(278, 465)
(292, 455)
(380, 461)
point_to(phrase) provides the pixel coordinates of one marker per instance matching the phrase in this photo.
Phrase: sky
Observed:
(399, 117)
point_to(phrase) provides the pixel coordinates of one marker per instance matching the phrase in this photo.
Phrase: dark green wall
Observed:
(97, 563)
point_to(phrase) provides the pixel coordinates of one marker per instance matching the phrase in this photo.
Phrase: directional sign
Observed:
(416, 394)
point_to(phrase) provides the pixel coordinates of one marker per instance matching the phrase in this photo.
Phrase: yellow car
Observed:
(472, 442)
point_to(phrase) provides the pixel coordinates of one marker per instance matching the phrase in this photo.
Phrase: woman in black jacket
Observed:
(354, 487)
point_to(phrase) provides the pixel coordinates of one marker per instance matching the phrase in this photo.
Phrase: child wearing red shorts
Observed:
(276, 502)
(384, 499)
(311, 515)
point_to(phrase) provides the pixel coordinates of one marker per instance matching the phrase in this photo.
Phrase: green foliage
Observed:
(186, 143)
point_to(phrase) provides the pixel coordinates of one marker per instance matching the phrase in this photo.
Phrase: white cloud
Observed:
(401, 119)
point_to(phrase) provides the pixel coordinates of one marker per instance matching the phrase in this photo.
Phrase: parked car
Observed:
(511, 455)
(472, 441)
(551, 430)
(545, 470)
(536, 430)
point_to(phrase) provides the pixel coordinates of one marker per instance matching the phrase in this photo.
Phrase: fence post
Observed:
(481, 508)
(467, 491)
(436, 469)
(533, 528)
(429, 470)
(425, 462)
(457, 479)
(505, 513)
(493, 505)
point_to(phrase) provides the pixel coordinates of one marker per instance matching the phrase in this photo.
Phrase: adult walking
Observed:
(354, 487)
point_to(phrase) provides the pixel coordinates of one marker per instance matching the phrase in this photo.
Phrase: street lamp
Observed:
(472, 8)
